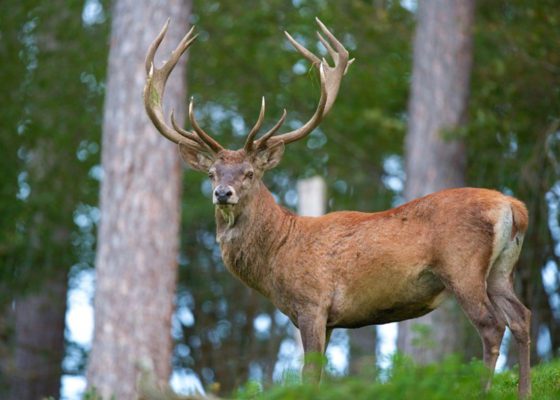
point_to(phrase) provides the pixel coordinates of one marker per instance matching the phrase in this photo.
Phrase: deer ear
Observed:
(269, 157)
(197, 160)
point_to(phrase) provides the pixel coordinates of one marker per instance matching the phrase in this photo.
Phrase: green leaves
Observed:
(52, 104)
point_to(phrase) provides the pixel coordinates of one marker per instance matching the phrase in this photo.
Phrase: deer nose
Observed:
(222, 194)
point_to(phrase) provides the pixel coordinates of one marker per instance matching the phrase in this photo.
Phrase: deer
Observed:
(350, 269)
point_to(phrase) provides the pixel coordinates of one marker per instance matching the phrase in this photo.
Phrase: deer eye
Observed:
(211, 175)
(249, 175)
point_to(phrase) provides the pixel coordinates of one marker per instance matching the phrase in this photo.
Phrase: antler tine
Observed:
(327, 45)
(188, 134)
(206, 138)
(154, 88)
(315, 120)
(176, 54)
(154, 46)
(264, 138)
(340, 56)
(304, 52)
(251, 136)
(339, 47)
(331, 78)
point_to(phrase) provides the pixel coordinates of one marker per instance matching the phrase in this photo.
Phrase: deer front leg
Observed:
(313, 328)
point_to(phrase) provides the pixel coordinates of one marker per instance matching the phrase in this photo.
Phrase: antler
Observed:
(251, 136)
(155, 88)
(331, 78)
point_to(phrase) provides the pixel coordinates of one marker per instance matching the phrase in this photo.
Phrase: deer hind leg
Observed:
(470, 291)
(516, 315)
(489, 324)
(518, 319)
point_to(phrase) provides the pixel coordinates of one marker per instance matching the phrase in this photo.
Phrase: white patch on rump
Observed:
(506, 249)
(502, 232)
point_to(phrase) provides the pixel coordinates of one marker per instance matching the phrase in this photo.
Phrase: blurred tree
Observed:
(363, 346)
(136, 262)
(49, 113)
(39, 340)
(435, 157)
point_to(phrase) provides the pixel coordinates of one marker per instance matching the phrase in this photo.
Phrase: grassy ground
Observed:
(450, 380)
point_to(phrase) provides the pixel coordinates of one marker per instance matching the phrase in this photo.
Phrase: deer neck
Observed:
(250, 234)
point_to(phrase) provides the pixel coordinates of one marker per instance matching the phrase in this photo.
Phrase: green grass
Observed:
(450, 379)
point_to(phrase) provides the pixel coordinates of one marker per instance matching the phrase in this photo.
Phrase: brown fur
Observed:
(378, 260)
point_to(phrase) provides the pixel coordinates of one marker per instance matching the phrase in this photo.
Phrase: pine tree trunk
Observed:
(136, 263)
(39, 341)
(434, 161)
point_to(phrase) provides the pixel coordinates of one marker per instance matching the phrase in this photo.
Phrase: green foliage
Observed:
(51, 114)
(450, 379)
(515, 91)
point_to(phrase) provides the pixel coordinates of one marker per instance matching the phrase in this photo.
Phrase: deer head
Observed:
(236, 173)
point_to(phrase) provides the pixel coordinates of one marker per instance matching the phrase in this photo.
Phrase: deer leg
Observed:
(313, 335)
(491, 328)
(516, 315)
(486, 319)
(518, 319)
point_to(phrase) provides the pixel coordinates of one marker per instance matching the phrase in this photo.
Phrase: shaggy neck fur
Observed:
(250, 233)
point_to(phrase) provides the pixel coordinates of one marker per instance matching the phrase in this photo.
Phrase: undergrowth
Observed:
(449, 380)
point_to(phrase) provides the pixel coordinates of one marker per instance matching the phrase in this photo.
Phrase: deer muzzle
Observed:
(225, 195)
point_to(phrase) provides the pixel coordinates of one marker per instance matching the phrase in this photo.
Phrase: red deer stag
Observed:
(350, 269)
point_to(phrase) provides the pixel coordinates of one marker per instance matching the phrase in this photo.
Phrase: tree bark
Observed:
(39, 341)
(363, 345)
(136, 262)
(435, 159)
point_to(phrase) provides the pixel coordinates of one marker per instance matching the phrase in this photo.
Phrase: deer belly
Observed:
(380, 302)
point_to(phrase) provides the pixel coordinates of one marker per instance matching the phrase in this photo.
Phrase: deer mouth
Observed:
(228, 203)
(225, 201)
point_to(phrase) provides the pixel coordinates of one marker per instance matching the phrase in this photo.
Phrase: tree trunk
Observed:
(434, 159)
(363, 345)
(39, 341)
(137, 251)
